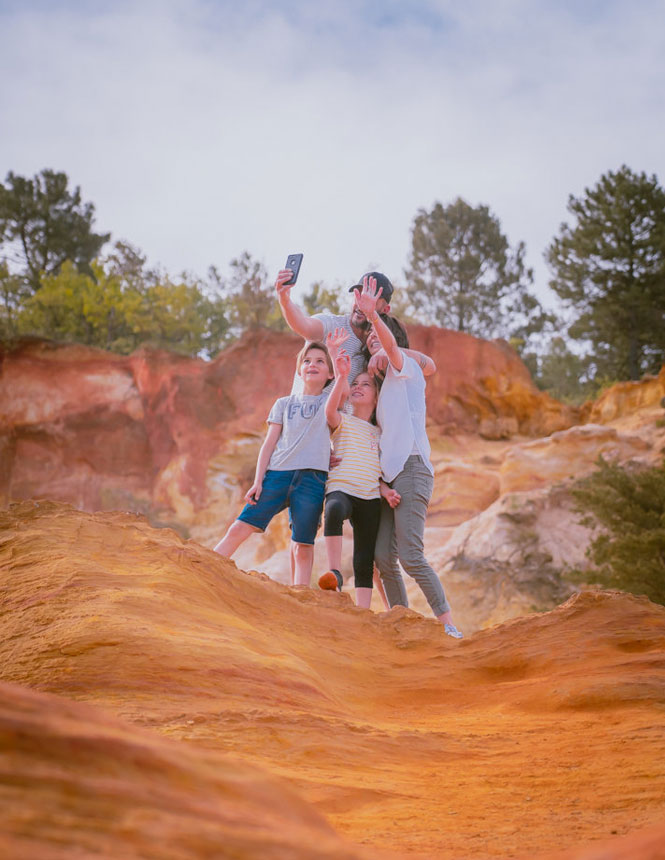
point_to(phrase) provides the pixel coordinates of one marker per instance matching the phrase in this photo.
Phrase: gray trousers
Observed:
(400, 538)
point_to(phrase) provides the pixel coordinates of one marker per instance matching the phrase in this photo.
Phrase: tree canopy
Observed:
(321, 299)
(120, 308)
(464, 275)
(609, 268)
(58, 280)
(43, 224)
(249, 296)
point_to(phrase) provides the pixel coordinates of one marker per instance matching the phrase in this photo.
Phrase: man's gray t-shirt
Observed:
(304, 442)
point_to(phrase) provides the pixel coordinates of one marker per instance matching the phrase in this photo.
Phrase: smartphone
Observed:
(293, 262)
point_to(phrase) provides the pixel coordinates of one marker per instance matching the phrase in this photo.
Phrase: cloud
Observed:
(200, 129)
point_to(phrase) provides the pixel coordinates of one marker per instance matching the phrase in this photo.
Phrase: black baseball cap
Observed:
(387, 288)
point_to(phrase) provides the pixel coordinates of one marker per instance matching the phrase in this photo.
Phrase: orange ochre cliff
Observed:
(159, 701)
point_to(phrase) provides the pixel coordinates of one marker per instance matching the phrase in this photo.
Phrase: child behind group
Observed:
(353, 490)
(292, 465)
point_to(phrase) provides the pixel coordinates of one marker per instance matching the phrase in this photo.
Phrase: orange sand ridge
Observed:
(237, 717)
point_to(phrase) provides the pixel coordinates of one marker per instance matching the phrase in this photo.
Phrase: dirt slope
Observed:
(542, 734)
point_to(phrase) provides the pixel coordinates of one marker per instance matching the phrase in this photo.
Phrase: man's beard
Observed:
(360, 321)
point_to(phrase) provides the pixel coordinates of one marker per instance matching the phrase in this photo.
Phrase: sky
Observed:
(204, 128)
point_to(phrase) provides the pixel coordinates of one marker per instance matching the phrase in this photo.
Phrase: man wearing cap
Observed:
(316, 327)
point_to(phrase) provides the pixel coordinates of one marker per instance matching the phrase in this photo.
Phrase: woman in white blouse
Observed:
(405, 462)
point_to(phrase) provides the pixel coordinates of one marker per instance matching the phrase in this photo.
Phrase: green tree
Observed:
(627, 506)
(248, 296)
(609, 268)
(118, 310)
(179, 317)
(43, 224)
(72, 306)
(13, 292)
(464, 276)
(321, 299)
(564, 374)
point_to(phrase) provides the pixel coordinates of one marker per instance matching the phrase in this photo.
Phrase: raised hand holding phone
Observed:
(282, 285)
(287, 277)
(293, 263)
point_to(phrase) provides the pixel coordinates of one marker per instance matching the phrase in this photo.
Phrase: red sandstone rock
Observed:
(625, 398)
(483, 386)
(106, 431)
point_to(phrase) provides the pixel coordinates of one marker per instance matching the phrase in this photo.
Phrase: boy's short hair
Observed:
(314, 344)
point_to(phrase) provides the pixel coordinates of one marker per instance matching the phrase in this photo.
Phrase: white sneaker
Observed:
(451, 630)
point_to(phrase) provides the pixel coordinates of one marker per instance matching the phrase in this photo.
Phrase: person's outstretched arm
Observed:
(338, 393)
(296, 318)
(254, 493)
(426, 364)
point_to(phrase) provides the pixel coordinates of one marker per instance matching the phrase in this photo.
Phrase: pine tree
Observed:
(463, 274)
(609, 268)
(43, 225)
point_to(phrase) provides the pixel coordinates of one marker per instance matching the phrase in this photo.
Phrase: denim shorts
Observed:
(301, 491)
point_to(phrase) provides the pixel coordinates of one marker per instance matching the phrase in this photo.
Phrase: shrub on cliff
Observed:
(627, 507)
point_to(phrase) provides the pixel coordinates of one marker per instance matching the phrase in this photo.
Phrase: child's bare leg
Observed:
(334, 551)
(378, 584)
(364, 597)
(304, 559)
(292, 562)
(237, 533)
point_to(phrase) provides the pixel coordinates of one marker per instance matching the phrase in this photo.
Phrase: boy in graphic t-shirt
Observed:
(292, 465)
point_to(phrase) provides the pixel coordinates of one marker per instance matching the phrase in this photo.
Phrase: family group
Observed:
(359, 386)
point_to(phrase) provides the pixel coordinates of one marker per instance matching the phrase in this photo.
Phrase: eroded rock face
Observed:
(150, 431)
(104, 431)
(483, 387)
(232, 715)
(177, 439)
(511, 559)
(626, 398)
(567, 454)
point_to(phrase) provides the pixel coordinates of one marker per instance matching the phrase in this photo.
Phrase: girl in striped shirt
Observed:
(354, 489)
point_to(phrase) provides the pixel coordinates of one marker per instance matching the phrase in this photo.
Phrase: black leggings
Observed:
(364, 515)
